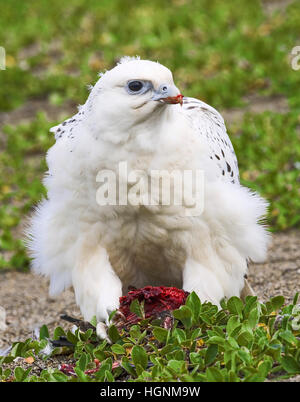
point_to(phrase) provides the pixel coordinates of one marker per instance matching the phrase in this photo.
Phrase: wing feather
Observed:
(209, 124)
(67, 128)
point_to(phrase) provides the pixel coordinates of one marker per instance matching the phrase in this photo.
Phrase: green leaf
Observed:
(139, 356)
(6, 373)
(253, 317)
(101, 345)
(6, 359)
(168, 349)
(113, 334)
(232, 323)
(58, 332)
(179, 334)
(230, 359)
(196, 333)
(72, 338)
(44, 333)
(127, 366)
(265, 367)
(232, 376)
(211, 354)
(290, 365)
(277, 302)
(84, 336)
(111, 315)
(94, 321)
(160, 334)
(255, 377)
(288, 337)
(250, 302)
(16, 349)
(118, 349)
(139, 369)
(295, 300)
(105, 366)
(177, 365)
(235, 305)
(244, 355)
(135, 331)
(196, 358)
(59, 377)
(83, 377)
(108, 376)
(142, 336)
(213, 374)
(184, 314)
(21, 374)
(269, 307)
(223, 303)
(194, 303)
(137, 308)
(232, 342)
(245, 338)
(82, 362)
(179, 355)
(100, 355)
(217, 340)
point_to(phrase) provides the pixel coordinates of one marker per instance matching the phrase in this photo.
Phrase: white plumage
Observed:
(101, 250)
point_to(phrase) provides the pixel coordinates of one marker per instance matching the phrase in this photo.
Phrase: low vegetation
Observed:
(247, 342)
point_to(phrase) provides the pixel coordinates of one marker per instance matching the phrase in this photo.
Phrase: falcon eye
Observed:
(138, 87)
(135, 86)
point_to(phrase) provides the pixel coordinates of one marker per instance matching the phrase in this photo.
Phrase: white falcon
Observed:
(135, 114)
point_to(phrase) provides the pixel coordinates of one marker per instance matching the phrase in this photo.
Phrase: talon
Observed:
(117, 319)
(101, 331)
(119, 316)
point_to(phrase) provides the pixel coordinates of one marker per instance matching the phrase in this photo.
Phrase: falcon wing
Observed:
(66, 128)
(209, 124)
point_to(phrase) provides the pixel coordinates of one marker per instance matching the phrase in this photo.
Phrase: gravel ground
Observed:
(24, 297)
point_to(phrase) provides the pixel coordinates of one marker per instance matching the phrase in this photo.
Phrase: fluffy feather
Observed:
(103, 250)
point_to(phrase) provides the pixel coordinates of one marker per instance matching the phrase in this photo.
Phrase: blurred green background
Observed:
(234, 55)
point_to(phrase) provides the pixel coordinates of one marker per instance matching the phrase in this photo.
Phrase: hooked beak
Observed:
(168, 94)
(173, 99)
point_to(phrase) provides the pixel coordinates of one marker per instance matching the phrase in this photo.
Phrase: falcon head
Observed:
(130, 93)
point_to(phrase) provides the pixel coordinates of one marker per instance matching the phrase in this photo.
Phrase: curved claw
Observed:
(101, 331)
(119, 316)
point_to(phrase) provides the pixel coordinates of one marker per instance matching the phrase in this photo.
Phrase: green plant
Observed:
(241, 342)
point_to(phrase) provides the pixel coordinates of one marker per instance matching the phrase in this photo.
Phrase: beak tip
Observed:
(173, 99)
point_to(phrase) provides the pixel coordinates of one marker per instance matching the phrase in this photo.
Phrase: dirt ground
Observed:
(24, 296)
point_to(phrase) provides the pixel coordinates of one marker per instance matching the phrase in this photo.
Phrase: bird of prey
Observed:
(136, 115)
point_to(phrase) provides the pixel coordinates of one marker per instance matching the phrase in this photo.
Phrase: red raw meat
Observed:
(156, 300)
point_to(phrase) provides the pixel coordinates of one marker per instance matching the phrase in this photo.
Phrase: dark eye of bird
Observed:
(135, 86)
